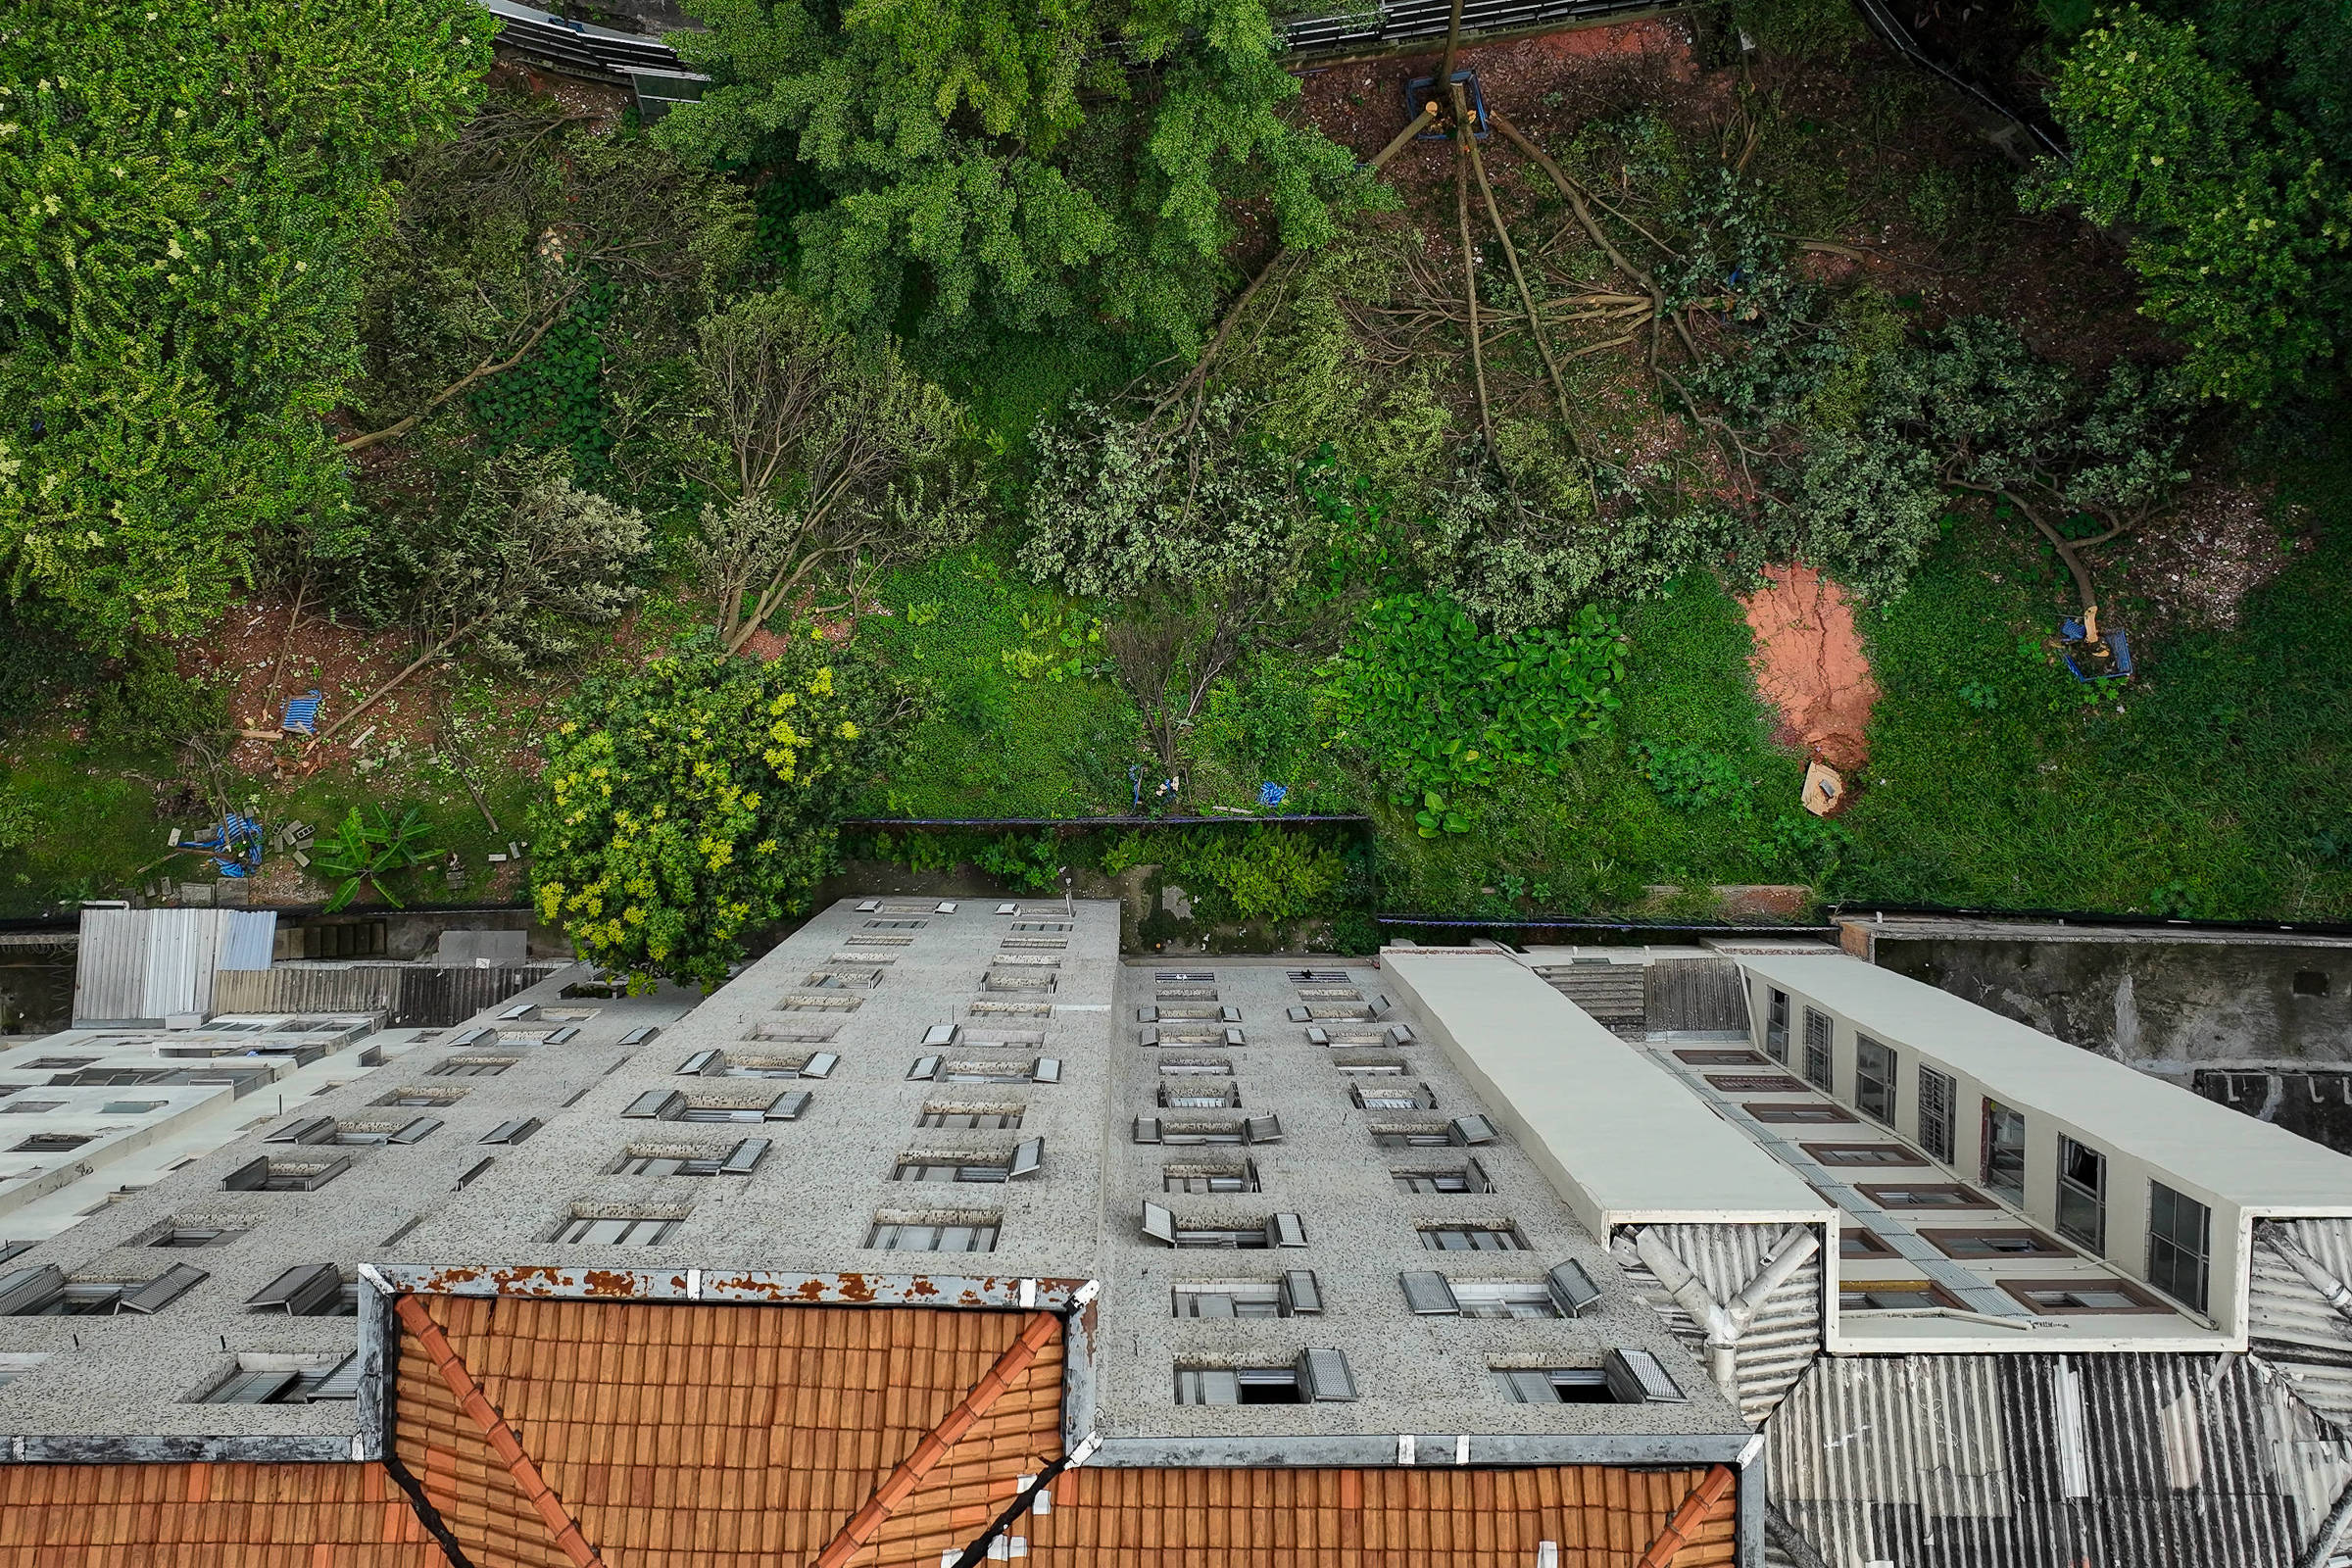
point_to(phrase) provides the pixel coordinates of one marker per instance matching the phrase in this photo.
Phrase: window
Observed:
(129, 1108)
(620, 1230)
(893, 925)
(1224, 1095)
(43, 1291)
(50, 1144)
(1465, 1178)
(1720, 1059)
(1554, 1384)
(267, 1175)
(1041, 925)
(943, 1069)
(820, 1001)
(1891, 1295)
(1461, 1130)
(472, 1068)
(2307, 983)
(1244, 1385)
(2179, 1244)
(2005, 1153)
(1799, 1115)
(1207, 1130)
(1935, 1100)
(301, 1381)
(671, 1104)
(1744, 1082)
(1241, 1177)
(2060, 1298)
(1993, 1245)
(1503, 1238)
(1817, 1049)
(969, 1167)
(1856, 1243)
(1936, 1195)
(1881, 1154)
(935, 1235)
(739, 1158)
(1195, 1067)
(1392, 1097)
(1275, 1230)
(58, 1064)
(1433, 1294)
(1874, 1080)
(733, 1064)
(1295, 1293)
(978, 1119)
(422, 1096)
(2082, 1195)
(512, 1132)
(196, 1235)
(842, 979)
(1317, 1376)
(308, 1289)
(31, 1108)
(1776, 1027)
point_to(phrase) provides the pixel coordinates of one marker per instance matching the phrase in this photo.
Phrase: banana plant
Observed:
(362, 852)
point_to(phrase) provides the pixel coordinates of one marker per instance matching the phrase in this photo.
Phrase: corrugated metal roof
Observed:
(2187, 1460)
(1786, 1334)
(2291, 1322)
(151, 963)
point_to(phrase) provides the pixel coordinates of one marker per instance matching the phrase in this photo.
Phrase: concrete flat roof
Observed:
(2228, 1152)
(1624, 1142)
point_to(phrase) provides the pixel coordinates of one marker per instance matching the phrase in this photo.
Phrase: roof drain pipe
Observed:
(1724, 1325)
(2332, 1289)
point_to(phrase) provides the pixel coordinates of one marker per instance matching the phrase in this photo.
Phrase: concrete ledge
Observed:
(1431, 1451)
(310, 1449)
(744, 1287)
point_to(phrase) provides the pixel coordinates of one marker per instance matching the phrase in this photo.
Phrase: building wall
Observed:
(2146, 1000)
(2128, 1172)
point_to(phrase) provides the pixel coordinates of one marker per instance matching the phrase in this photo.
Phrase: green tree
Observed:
(186, 191)
(693, 799)
(965, 175)
(2238, 226)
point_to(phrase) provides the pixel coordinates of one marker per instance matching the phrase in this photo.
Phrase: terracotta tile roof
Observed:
(1598, 1517)
(208, 1516)
(682, 1435)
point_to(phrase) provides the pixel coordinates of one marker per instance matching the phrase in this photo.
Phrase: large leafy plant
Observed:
(1438, 706)
(189, 188)
(364, 849)
(690, 801)
(2240, 227)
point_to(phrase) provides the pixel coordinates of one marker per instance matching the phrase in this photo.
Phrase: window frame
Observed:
(1937, 1096)
(2163, 1276)
(1775, 1024)
(1998, 1153)
(2086, 1195)
(2142, 1304)
(1874, 1093)
(1821, 1054)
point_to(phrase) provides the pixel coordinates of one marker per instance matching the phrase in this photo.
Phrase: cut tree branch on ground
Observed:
(1478, 359)
(1575, 197)
(491, 366)
(1466, 134)
(1195, 385)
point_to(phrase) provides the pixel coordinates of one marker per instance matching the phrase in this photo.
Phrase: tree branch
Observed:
(487, 367)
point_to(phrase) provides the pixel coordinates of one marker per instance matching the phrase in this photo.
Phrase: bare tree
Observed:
(1169, 659)
(815, 441)
(531, 554)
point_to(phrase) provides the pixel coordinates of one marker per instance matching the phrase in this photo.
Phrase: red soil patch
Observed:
(1810, 667)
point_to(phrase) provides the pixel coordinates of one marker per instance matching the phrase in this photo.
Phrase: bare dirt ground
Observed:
(1809, 664)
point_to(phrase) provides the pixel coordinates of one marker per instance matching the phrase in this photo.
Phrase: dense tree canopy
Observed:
(962, 175)
(2240, 226)
(188, 186)
(691, 802)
